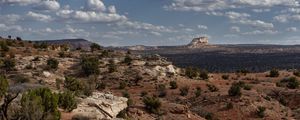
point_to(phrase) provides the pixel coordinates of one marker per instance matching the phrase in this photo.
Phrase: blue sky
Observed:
(153, 22)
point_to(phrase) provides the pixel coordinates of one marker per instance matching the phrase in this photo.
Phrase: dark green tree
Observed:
(67, 101)
(95, 47)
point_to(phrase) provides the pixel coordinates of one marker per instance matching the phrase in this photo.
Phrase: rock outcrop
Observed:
(100, 106)
(198, 42)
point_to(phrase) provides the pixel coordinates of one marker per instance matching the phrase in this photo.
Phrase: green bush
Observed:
(152, 104)
(235, 90)
(192, 72)
(40, 104)
(261, 112)
(204, 75)
(144, 93)
(112, 67)
(67, 101)
(95, 46)
(173, 85)
(198, 92)
(73, 84)
(127, 60)
(184, 91)
(3, 86)
(126, 94)
(52, 63)
(9, 64)
(212, 88)
(122, 85)
(161, 88)
(225, 77)
(274, 73)
(291, 83)
(90, 65)
(247, 87)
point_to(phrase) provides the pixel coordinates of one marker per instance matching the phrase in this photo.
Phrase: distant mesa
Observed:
(198, 42)
(74, 43)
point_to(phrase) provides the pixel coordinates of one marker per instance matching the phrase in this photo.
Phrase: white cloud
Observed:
(96, 5)
(261, 10)
(287, 17)
(235, 29)
(144, 26)
(261, 32)
(292, 29)
(10, 18)
(92, 16)
(39, 17)
(47, 5)
(14, 28)
(204, 27)
(213, 5)
(19, 2)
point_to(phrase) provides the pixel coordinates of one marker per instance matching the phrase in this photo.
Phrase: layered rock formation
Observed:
(198, 42)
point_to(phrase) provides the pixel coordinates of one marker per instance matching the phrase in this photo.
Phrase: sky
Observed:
(153, 22)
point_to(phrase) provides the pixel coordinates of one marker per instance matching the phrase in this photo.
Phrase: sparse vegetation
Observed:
(52, 63)
(212, 88)
(261, 112)
(112, 67)
(89, 66)
(95, 47)
(3, 86)
(235, 90)
(296, 73)
(67, 101)
(39, 104)
(127, 60)
(173, 84)
(225, 77)
(161, 88)
(191, 72)
(184, 91)
(152, 104)
(198, 91)
(122, 85)
(9, 64)
(274, 73)
(73, 84)
(291, 83)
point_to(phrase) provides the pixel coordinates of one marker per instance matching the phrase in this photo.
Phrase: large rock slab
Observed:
(101, 106)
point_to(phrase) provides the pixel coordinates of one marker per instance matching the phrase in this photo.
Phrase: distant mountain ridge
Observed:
(74, 43)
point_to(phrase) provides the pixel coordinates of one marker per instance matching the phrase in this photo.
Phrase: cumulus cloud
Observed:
(213, 5)
(10, 18)
(292, 29)
(96, 5)
(261, 32)
(19, 2)
(144, 26)
(47, 5)
(39, 17)
(235, 29)
(5, 28)
(204, 27)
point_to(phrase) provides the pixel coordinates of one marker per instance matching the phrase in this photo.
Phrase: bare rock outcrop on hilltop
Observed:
(198, 42)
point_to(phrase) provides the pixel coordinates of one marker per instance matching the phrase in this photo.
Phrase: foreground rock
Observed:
(100, 106)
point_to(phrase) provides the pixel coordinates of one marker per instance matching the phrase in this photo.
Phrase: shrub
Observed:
(112, 67)
(4, 47)
(127, 60)
(101, 86)
(67, 101)
(229, 106)
(73, 84)
(212, 88)
(3, 86)
(126, 94)
(247, 87)
(235, 90)
(296, 73)
(191, 72)
(89, 65)
(40, 104)
(87, 89)
(52, 63)
(225, 77)
(95, 46)
(152, 104)
(21, 79)
(173, 85)
(161, 88)
(291, 83)
(9, 64)
(58, 82)
(204, 75)
(274, 73)
(144, 93)
(198, 92)
(122, 85)
(184, 90)
(261, 112)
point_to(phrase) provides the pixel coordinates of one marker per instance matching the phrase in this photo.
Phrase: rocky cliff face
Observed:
(198, 42)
